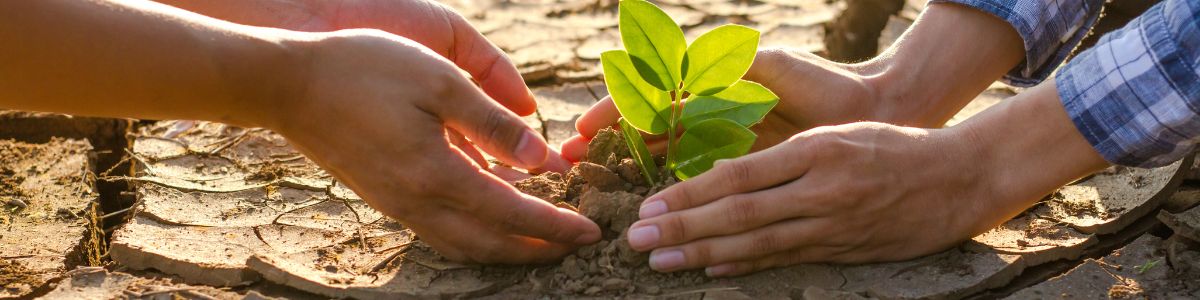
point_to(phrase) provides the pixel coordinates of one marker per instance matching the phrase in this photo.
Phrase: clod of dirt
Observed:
(1138, 270)
(1185, 224)
(44, 221)
(1109, 201)
(601, 178)
(609, 267)
(607, 144)
(1038, 240)
(546, 186)
(1187, 197)
(614, 210)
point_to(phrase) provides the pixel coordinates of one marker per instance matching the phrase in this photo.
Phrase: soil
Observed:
(44, 199)
(15, 279)
(608, 189)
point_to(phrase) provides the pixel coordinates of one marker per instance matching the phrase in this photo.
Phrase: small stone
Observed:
(614, 284)
(593, 290)
(18, 203)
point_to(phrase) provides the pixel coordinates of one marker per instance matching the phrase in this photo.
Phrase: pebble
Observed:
(614, 284)
(18, 203)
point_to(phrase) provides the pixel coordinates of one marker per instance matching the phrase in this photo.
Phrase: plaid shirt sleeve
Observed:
(1135, 95)
(1050, 29)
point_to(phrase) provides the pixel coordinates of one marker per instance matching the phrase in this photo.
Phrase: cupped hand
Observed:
(851, 193)
(381, 113)
(812, 91)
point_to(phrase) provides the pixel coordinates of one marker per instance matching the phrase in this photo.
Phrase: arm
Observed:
(398, 98)
(432, 24)
(1135, 96)
(146, 61)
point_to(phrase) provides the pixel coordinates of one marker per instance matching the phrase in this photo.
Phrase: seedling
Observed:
(649, 80)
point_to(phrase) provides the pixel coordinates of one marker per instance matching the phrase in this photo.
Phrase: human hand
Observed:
(378, 112)
(865, 192)
(812, 91)
(934, 70)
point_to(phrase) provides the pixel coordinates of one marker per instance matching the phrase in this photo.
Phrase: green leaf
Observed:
(719, 58)
(655, 43)
(745, 102)
(709, 141)
(638, 101)
(641, 154)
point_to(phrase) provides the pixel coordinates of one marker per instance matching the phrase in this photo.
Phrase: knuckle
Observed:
(495, 126)
(764, 243)
(742, 210)
(775, 54)
(424, 185)
(675, 229)
(511, 220)
(737, 172)
(700, 255)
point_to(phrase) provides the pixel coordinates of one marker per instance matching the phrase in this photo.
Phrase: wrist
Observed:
(1027, 147)
(268, 74)
(940, 64)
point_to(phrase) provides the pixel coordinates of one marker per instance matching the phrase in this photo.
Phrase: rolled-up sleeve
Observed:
(1136, 94)
(1050, 29)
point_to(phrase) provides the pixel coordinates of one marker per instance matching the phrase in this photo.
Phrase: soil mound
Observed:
(608, 188)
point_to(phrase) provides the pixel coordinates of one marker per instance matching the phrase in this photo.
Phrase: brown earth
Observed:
(45, 196)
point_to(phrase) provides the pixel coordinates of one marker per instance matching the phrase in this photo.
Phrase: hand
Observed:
(865, 192)
(847, 194)
(934, 70)
(813, 92)
(378, 111)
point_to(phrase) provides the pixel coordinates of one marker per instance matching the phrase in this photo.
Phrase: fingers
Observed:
(467, 148)
(494, 72)
(752, 172)
(601, 115)
(731, 214)
(554, 163)
(497, 130)
(497, 204)
(574, 149)
(753, 244)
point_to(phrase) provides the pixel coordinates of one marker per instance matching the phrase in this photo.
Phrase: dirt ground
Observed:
(101, 209)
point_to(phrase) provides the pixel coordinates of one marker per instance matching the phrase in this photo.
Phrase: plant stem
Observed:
(672, 124)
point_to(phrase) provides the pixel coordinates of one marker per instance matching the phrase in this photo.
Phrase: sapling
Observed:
(649, 80)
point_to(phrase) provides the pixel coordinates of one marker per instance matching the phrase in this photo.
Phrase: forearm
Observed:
(1028, 147)
(301, 15)
(949, 55)
(138, 59)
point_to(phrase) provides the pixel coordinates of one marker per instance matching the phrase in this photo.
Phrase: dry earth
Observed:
(201, 210)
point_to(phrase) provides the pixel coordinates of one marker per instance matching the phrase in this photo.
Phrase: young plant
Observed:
(650, 78)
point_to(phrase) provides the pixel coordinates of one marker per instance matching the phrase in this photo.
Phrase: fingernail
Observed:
(529, 152)
(718, 270)
(666, 260)
(588, 238)
(643, 237)
(653, 209)
(720, 161)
